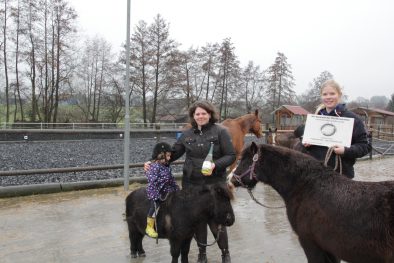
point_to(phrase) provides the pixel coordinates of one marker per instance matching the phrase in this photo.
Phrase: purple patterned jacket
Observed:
(160, 181)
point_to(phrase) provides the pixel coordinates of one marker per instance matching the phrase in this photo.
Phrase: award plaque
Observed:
(328, 130)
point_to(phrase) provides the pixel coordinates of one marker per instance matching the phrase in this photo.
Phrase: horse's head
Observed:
(271, 136)
(255, 128)
(221, 197)
(245, 174)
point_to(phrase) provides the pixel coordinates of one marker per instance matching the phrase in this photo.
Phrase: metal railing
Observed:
(74, 169)
(82, 126)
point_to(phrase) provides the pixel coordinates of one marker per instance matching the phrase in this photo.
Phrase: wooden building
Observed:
(375, 117)
(288, 117)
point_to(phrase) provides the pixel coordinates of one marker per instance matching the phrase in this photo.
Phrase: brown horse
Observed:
(239, 127)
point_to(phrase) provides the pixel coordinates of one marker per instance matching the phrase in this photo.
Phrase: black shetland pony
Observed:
(334, 217)
(178, 216)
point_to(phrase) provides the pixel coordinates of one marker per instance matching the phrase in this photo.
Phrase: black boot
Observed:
(226, 256)
(202, 257)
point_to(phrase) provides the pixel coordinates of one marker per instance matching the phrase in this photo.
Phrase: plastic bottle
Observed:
(207, 164)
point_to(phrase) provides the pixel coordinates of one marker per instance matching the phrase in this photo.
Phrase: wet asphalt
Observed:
(88, 226)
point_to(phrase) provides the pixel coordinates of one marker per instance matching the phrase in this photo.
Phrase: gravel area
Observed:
(60, 154)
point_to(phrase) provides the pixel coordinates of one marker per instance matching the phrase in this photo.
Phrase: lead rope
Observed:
(338, 159)
(259, 203)
(155, 213)
(215, 241)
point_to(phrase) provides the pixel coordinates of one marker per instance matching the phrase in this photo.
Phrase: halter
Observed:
(252, 175)
(250, 172)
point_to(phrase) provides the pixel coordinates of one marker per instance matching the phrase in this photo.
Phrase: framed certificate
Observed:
(328, 130)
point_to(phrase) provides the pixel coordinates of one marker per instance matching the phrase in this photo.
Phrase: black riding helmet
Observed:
(159, 148)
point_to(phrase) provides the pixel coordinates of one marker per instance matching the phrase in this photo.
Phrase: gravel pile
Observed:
(60, 154)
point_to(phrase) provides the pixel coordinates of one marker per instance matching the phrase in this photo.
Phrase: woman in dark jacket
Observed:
(331, 94)
(195, 142)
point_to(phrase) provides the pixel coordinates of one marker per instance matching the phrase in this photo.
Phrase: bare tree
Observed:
(209, 57)
(95, 73)
(64, 25)
(5, 16)
(140, 57)
(228, 68)
(162, 45)
(17, 16)
(310, 99)
(379, 102)
(390, 104)
(280, 83)
(252, 81)
(32, 33)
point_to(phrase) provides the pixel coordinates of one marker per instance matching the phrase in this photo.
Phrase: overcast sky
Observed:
(352, 39)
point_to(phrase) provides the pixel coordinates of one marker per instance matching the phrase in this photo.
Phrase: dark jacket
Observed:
(360, 145)
(196, 144)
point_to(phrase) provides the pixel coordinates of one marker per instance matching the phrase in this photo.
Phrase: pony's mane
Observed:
(302, 162)
(196, 191)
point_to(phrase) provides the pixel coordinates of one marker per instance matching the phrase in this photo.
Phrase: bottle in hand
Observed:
(208, 163)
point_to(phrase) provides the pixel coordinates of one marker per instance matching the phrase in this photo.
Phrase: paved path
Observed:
(87, 226)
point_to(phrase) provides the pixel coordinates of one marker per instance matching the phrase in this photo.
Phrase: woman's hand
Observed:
(339, 149)
(211, 170)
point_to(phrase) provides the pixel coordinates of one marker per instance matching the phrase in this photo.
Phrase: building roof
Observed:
(359, 110)
(295, 109)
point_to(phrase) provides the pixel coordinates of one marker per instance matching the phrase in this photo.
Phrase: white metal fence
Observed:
(78, 126)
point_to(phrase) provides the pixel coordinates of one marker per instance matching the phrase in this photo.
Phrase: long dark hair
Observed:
(206, 105)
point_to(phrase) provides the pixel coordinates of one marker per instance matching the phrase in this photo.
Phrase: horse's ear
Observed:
(256, 112)
(276, 129)
(269, 129)
(254, 148)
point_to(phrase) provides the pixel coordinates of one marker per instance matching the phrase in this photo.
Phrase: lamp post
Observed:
(127, 106)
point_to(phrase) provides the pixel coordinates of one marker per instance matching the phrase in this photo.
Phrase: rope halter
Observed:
(249, 172)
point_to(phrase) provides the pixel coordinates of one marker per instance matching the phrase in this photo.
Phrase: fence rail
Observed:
(73, 169)
(81, 126)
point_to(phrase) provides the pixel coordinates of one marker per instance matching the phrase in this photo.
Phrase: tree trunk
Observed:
(7, 88)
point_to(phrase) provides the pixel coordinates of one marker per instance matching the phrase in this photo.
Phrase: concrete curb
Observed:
(23, 190)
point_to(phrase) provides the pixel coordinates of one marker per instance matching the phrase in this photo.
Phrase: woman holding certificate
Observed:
(331, 94)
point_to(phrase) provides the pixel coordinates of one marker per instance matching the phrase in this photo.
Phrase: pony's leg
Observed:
(185, 248)
(222, 241)
(133, 237)
(175, 250)
(313, 253)
(201, 237)
(140, 249)
(330, 258)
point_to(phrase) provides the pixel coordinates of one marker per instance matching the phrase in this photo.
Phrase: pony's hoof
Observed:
(133, 255)
(226, 258)
(202, 258)
(142, 254)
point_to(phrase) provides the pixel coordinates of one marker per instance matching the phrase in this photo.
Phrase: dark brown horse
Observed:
(285, 139)
(179, 216)
(271, 136)
(335, 218)
(239, 127)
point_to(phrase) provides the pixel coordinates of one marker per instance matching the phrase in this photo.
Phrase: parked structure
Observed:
(288, 117)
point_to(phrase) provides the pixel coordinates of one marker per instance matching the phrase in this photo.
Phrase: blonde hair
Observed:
(328, 83)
